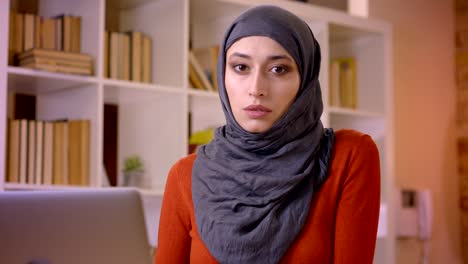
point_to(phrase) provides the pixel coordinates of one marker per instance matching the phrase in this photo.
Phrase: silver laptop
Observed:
(71, 227)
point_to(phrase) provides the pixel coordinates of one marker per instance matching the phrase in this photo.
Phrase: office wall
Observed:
(425, 113)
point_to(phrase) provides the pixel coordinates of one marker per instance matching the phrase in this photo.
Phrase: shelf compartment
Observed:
(151, 124)
(165, 22)
(30, 81)
(368, 51)
(90, 12)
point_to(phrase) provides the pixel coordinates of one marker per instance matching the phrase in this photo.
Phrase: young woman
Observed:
(273, 186)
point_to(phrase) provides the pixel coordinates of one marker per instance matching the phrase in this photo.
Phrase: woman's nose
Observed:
(257, 85)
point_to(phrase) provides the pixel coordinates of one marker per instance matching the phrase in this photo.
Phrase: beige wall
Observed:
(425, 103)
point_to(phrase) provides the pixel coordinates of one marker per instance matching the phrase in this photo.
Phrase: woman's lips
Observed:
(257, 111)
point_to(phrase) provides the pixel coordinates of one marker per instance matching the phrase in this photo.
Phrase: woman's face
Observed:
(261, 80)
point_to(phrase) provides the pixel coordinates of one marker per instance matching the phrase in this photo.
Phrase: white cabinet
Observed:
(153, 117)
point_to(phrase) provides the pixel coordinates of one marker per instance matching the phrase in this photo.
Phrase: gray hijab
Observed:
(252, 191)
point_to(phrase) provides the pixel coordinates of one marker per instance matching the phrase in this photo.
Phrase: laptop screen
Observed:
(56, 227)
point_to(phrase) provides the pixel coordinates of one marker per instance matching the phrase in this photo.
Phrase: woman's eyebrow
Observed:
(279, 57)
(241, 55)
(270, 58)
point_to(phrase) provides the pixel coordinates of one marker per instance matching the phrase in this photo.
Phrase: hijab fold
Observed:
(252, 191)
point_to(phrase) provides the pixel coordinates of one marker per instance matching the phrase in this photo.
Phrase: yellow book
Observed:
(147, 54)
(13, 151)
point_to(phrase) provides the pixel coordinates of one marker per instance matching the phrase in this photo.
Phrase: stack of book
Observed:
(57, 61)
(128, 56)
(343, 84)
(48, 152)
(27, 31)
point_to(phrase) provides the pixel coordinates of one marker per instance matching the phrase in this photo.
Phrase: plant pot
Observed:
(134, 179)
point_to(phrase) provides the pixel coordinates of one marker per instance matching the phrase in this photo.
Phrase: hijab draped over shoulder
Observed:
(252, 191)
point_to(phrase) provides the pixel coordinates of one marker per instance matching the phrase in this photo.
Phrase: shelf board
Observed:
(119, 91)
(354, 113)
(200, 93)
(31, 81)
(129, 4)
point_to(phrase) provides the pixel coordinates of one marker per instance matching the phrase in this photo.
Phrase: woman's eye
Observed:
(240, 67)
(278, 69)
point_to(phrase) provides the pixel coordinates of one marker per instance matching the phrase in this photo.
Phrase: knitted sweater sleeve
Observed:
(358, 206)
(174, 225)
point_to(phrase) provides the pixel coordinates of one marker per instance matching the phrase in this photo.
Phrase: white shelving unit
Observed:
(153, 117)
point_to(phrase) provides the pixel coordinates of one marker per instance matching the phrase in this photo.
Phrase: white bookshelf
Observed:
(153, 117)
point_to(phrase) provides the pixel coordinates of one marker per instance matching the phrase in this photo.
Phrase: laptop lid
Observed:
(71, 227)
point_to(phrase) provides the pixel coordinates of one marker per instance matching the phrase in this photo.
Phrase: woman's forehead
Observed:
(257, 46)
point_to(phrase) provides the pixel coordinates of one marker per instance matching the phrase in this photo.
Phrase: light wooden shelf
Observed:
(31, 81)
(154, 117)
(119, 91)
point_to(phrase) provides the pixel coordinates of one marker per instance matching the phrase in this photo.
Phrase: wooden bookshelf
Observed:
(153, 117)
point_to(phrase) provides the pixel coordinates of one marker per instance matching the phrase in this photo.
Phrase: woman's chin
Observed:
(256, 126)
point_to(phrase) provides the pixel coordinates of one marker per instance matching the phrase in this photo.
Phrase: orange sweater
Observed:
(341, 226)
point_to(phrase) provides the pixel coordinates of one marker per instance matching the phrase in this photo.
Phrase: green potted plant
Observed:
(133, 171)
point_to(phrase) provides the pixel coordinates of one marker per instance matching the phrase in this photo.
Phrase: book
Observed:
(125, 57)
(66, 32)
(31, 151)
(29, 34)
(12, 38)
(199, 71)
(58, 68)
(110, 150)
(106, 55)
(58, 30)
(38, 178)
(194, 79)
(208, 59)
(76, 34)
(335, 83)
(37, 31)
(85, 148)
(348, 83)
(147, 53)
(60, 151)
(78, 152)
(57, 62)
(54, 54)
(19, 33)
(48, 157)
(343, 86)
(48, 33)
(23, 161)
(13, 151)
(136, 58)
(114, 55)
